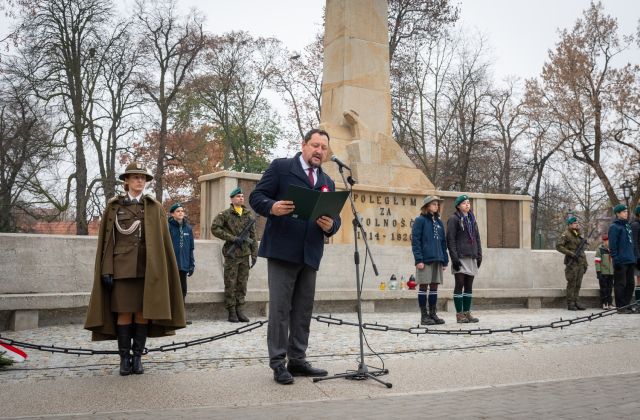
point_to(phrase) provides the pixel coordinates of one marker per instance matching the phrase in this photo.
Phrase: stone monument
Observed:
(356, 112)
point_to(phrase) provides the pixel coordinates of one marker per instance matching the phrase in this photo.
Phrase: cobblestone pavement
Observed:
(326, 343)
(585, 398)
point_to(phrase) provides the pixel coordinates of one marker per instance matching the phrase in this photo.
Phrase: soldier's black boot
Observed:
(139, 341)
(233, 316)
(425, 319)
(579, 306)
(433, 314)
(241, 316)
(124, 348)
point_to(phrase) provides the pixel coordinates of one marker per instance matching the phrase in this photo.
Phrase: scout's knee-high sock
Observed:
(422, 296)
(433, 297)
(457, 291)
(466, 302)
(467, 294)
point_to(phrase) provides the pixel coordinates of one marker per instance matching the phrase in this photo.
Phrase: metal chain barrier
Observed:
(329, 320)
(418, 330)
(164, 348)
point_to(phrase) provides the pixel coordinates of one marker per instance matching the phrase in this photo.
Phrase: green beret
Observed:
(175, 207)
(619, 208)
(571, 219)
(460, 199)
(637, 211)
(235, 192)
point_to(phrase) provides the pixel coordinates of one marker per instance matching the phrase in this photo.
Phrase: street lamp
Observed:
(627, 191)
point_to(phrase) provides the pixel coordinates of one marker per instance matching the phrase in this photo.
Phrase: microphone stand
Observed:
(363, 371)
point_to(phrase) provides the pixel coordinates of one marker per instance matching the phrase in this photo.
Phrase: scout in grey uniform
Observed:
(429, 248)
(465, 250)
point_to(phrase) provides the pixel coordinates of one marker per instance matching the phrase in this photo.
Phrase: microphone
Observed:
(339, 162)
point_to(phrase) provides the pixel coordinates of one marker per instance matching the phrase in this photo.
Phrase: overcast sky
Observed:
(520, 32)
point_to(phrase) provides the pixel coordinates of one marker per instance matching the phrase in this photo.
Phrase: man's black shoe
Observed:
(305, 369)
(282, 376)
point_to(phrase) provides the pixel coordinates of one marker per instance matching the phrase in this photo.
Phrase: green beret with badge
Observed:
(235, 192)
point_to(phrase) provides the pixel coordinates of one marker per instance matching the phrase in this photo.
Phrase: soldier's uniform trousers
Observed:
(573, 272)
(236, 277)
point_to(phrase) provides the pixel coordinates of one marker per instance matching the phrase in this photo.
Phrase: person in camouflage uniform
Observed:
(228, 226)
(572, 245)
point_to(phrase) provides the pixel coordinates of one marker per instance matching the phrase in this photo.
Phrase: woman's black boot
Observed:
(139, 341)
(124, 348)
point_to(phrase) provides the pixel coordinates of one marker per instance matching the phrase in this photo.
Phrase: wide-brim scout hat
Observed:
(136, 168)
(429, 199)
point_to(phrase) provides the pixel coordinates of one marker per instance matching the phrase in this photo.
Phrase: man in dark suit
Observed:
(293, 249)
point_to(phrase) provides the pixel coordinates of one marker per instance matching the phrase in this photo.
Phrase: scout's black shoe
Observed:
(282, 376)
(241, 316)
(305, 369)
(233, 317)
(425, 319)
(580, 307)
(433, 314)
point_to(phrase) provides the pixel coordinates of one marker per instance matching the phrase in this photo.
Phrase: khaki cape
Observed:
(162, 304)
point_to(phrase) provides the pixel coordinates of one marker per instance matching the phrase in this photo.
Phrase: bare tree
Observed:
(588, 96)
(26, 145)
(421, 102)
(114, 119)
(66, 45)
(510, 125)
(298, 77)
(170, 44)
(416, 21)
(470, 91)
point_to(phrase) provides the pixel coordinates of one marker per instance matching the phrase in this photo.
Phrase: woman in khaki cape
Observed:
(136, 288)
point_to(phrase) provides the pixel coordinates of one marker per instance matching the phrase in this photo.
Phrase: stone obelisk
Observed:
(356, 111)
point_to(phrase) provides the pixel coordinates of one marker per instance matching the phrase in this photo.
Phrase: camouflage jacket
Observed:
(228, 225)
(568, 243)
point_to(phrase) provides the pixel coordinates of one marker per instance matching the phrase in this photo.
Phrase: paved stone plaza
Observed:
(586, 370)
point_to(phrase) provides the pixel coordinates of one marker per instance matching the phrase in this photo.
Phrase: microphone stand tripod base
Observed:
(361, 374)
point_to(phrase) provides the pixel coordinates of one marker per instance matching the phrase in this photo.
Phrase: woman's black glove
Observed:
(479, 261)
(456, 265)
(107, 281)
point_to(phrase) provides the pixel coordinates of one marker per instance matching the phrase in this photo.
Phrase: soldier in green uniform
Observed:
(573, 245)
(236, 226)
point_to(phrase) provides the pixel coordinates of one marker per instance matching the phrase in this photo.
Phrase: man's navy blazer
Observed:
(286, 238)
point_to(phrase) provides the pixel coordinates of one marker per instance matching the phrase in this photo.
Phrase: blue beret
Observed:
(175, 207)
(235, 192)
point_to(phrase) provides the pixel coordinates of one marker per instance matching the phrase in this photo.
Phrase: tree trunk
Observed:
(162, 149)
